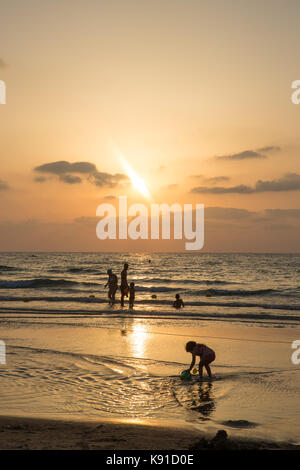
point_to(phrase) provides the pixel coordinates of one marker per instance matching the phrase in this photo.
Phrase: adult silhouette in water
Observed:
(124, 284)
(112, 284)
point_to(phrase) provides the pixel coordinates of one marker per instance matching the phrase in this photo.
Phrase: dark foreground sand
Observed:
(39, 434)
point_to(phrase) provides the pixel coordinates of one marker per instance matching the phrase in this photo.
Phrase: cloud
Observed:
(270, 148)
(288, 182)
(283, 213)
(105, 179)
(40, 179)
(242, 155)
(86, 220)
(266, 215)
(216, 179)
(196, 176)
(249, 154)
(3, 186)
(70, 179)
(211, 179)
(63, 167)
(240, 189)
(228, 229)
(68, 173)
(227, 213)
(279, 227)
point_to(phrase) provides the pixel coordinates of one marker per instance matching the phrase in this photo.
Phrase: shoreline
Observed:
(23, 433)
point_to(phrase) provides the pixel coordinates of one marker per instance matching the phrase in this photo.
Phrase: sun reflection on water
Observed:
(138, 338)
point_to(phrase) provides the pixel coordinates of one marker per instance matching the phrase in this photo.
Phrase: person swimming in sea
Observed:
(178, 303)
(206, 354)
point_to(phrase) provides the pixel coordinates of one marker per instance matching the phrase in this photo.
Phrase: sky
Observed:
(195, 96)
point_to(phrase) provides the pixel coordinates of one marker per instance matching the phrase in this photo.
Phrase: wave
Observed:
(156, 289)
(51, 283)
(9, 268)
(241, 292)
(80, 287)
(41, 283)
(160, 280)
(187, 281)
(278, 318)
(83, 270)
(75, 270)
(208, 292)
(153, 302)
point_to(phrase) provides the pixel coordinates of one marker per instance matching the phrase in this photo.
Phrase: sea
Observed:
(231, 287)
(69, 354)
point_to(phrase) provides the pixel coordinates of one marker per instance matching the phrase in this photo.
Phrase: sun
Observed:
(137, 182)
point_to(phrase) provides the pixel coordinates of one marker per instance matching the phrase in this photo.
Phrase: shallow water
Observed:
(127, 368)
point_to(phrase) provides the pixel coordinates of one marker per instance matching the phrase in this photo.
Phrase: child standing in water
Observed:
(131, 294)
(206, 354)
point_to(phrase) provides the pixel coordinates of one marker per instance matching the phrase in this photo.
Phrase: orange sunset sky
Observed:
(196, 95)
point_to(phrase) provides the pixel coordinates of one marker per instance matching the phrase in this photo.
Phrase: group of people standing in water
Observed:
(206, 354)
(128, 290)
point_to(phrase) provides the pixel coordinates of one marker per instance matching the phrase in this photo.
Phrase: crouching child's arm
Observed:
(192, 363)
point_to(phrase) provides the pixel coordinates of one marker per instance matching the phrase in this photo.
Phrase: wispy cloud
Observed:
(40, 179)
(268, 149)
(249, 154)
(288, 182)
(227, 213)
(267, 215)
(283, 213)
(246, 154)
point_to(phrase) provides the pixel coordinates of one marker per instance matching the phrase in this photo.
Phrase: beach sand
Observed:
(45, 434)
(113, 384)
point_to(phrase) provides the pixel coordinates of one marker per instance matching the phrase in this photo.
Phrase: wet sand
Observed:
(88, 371)
(45, 434)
